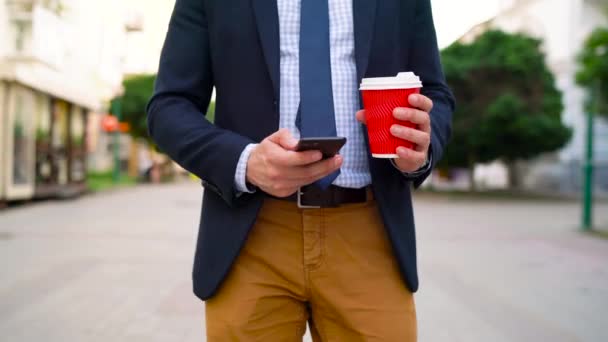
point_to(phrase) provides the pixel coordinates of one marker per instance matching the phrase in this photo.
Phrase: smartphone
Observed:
(329, 146)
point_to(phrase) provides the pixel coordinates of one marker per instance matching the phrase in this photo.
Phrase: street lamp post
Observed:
(588, 163)
(134, 23)
(117, 111)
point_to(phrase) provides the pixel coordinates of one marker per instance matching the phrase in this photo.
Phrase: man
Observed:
(284, 69)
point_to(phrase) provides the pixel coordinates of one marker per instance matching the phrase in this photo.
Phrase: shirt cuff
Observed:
(425, 168)
(240, 177)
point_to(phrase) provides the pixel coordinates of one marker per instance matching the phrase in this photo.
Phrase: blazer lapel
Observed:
(267, 18)
(364, 16)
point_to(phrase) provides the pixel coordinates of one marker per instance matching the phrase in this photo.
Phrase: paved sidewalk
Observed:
(116, 267)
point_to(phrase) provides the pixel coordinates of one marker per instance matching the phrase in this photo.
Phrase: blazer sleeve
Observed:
(176, 111)
(424, 60)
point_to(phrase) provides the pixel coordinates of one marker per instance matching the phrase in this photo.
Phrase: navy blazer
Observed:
(233, 45)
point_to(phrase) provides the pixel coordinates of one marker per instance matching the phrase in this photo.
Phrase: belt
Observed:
(311, 197)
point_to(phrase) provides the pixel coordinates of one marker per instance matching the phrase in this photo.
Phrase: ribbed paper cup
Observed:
(381, 95)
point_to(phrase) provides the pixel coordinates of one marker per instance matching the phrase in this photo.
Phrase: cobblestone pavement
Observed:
(116, 267)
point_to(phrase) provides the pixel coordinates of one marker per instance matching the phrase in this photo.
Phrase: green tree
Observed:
(137, 91)
(593, 70)
(211, 111)
(508, 105)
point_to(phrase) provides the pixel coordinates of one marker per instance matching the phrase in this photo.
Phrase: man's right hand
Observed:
(277, 169)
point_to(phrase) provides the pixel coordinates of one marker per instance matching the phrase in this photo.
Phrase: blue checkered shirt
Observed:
(355, 169)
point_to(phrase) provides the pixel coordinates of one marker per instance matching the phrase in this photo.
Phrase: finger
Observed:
(284, 139)
(420, 138)
(285, 158)
(361, 116)
(415, 158)
(415, 116)
(421, 102)
(321, 169)
(303, 175)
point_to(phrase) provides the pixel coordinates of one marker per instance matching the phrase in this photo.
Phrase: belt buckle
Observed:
(302, 206)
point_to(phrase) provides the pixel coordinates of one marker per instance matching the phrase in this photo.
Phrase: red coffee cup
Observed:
(381, 95)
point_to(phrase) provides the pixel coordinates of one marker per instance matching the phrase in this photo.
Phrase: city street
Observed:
(116, 266)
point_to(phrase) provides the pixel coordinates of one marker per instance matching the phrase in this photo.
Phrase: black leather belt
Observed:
(311, 196)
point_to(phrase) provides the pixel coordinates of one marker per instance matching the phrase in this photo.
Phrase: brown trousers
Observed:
(333, 268)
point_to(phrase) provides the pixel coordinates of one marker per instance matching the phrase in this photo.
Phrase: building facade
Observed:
(52, 79)
(563, 26)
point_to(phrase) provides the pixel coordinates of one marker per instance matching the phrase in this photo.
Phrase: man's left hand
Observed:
(411, 160)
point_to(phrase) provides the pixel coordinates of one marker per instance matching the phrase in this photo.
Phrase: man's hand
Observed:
(275, 167)
(411, 160)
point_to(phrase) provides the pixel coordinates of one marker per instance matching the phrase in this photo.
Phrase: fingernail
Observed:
(337, 161)
(318, 155)
(401, 150)
(394, 129)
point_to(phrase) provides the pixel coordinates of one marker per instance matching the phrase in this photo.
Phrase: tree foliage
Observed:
(137, 91)
(508, 105)
(593, 70)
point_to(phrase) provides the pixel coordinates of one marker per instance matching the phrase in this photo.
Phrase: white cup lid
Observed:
(403, 80)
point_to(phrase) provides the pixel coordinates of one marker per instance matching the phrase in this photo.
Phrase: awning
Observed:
(50, 81)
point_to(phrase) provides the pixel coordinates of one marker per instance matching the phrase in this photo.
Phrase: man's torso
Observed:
(355, 170)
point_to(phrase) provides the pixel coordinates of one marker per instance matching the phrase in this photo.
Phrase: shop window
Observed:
(21, 140)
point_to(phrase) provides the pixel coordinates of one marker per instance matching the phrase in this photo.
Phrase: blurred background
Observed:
(97, 227)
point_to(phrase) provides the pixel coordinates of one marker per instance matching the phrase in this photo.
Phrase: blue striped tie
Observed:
(316, 116)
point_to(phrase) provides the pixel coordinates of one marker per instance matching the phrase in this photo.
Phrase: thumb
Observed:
(284, 139)
(361, 116)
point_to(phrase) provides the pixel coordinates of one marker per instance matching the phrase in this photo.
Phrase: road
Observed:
(116, 267)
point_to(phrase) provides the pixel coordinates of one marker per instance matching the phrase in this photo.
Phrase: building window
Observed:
(22, 140)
